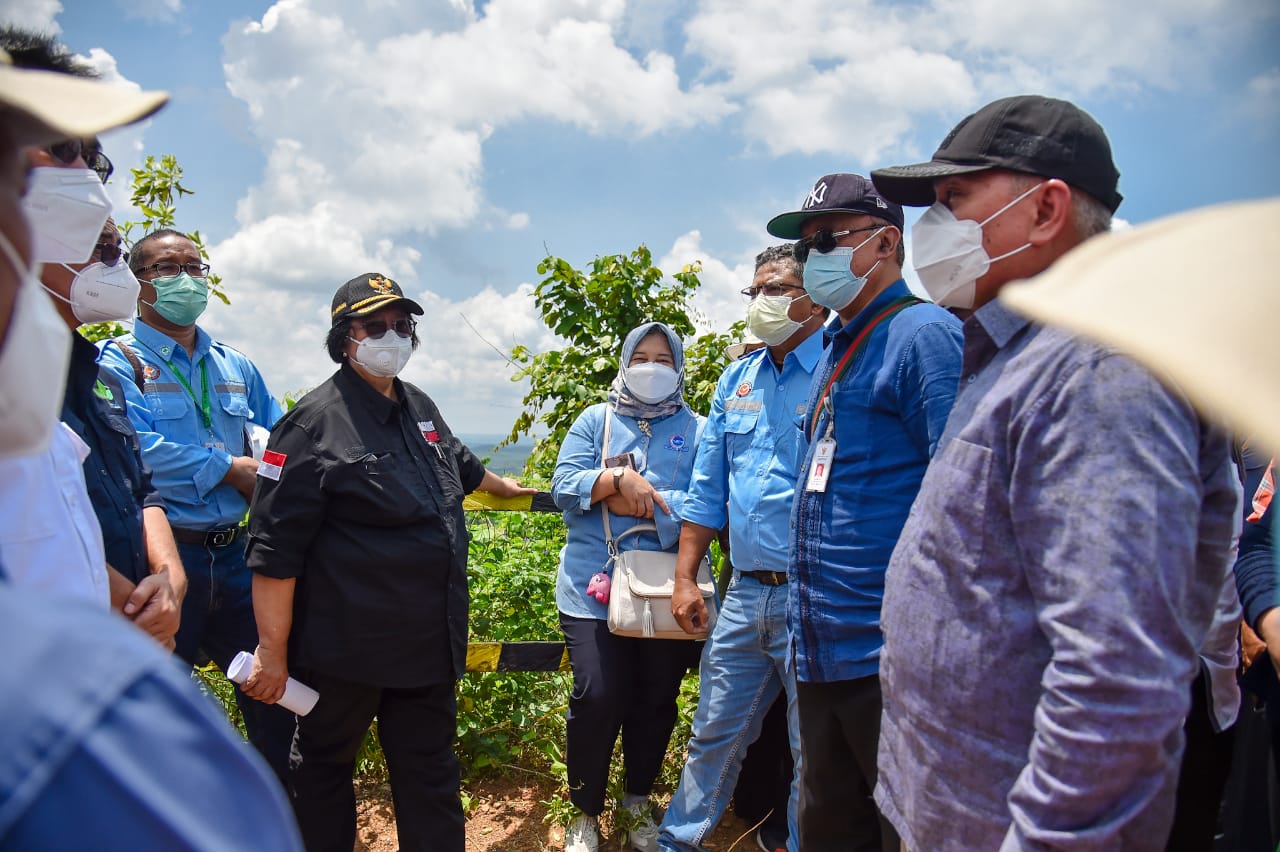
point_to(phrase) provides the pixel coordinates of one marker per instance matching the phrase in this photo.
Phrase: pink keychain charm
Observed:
(598, 588)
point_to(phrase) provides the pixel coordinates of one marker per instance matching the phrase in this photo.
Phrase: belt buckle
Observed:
(221, 538)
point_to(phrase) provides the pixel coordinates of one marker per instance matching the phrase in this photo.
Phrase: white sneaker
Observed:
(643, 833)
(582, 835)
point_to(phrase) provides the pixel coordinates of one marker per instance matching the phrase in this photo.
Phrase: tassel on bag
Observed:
(648, 619)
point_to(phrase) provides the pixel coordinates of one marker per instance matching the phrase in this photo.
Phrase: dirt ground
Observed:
(507, 816)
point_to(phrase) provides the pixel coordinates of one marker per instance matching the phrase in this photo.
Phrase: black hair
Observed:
(41, 51)
(335, 342)
(138, 255)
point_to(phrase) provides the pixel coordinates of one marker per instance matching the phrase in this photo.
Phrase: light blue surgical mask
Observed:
(829, 278)
(180, 298)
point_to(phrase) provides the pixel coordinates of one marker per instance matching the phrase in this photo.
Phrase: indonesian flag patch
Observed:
(429, 432)
(271, 465)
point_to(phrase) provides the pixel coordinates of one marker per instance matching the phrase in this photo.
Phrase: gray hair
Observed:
(1088, 215)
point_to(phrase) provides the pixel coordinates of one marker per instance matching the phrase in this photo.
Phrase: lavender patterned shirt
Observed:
(1045, 603)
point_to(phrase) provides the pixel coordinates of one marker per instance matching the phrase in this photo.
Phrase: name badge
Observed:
(820, 468)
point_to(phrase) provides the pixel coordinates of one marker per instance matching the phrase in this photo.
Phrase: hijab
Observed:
(623, 401)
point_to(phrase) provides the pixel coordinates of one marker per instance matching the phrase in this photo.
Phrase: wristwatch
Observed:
(618, 473)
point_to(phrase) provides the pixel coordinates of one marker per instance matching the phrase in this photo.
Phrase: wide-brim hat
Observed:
(38, 107)
(367, 293)
(1143, 290)
(1026, 133)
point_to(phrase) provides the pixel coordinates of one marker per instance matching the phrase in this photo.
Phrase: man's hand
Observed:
(1269, 632)
(688, 607)
(154, 607)
(504, 486)
(242, 475)
(267, 678)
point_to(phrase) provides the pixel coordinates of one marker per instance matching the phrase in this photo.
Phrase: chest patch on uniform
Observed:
(101, 391)
(150, 372)
(676, 443)
(429, 432)
(744, 389)
(272, 465)
(743, 405)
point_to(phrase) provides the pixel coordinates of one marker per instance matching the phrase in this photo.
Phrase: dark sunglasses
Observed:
(823, 240)
(108, 254)
(68, 151)
(377, 328)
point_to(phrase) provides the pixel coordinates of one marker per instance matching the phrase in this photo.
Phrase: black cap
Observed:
(1027, 133)
(368, 293)
(838, 193)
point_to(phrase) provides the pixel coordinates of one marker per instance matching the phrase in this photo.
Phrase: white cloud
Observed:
(718, 303)
(36, 15)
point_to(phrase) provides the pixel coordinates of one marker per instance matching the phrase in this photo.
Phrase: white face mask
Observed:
(948, 255)
(102, 293)
(383, 356)
(651, 383)
(33, 365)
(769, 318)
(67, 209)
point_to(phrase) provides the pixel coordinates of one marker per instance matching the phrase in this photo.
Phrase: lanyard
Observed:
(206, 411)
(857, 346)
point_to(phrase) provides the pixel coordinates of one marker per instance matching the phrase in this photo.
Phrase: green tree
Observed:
(593, 311)
(157, 188)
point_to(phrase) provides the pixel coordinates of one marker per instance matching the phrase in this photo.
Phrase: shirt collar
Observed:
(834, 329)
(1000, 322)
(807, 353)
(165, 346)
(382, 407)
(83, 371)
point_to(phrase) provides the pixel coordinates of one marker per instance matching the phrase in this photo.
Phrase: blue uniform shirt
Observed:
(188, 459)
(118, 481)
(749, 455)
(665, 459)
(890, 407)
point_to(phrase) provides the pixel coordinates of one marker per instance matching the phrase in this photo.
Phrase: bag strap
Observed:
(609, 540)
(133, 359)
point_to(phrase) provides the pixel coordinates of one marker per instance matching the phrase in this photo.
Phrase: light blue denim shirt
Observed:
(890, 407)
(1045, 605)
(188, 459)
(749, 455)
(665, 459)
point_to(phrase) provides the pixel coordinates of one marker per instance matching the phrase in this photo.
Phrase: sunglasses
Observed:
(108, 254)
(377, 328)
(69, 151)
(823, 240)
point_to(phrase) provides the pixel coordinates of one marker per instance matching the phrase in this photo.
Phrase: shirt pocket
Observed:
(379, 488)
(167, 408)
(955, 503)
(739, 429)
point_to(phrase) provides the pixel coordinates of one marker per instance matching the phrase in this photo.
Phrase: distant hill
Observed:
(508, 460)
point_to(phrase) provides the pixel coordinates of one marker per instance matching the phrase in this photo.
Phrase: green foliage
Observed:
(593, 311)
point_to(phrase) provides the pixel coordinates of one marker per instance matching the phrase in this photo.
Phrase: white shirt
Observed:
(49, 535)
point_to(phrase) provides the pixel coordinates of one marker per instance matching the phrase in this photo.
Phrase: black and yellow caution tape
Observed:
(481, 501)
(517, 657)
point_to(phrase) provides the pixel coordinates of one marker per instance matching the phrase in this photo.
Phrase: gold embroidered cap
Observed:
(368, 293)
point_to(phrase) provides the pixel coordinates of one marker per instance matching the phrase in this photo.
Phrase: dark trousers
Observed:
(619, 684)
(764, 785)
(217, 623)
(839, 734)
(416, 728)
(1206, 763)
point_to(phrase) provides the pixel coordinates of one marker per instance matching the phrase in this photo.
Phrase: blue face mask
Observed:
(829, 280)
(180, 298)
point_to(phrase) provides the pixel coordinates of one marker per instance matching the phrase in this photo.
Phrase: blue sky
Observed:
(449, 144)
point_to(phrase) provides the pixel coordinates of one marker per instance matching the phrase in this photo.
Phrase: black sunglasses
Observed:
(68, 151)
(377, 328)
(108, 253)
(823, 240)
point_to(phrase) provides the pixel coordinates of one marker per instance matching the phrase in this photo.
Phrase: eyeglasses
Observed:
(68, 151)
(768, 290)
(108, 253)
(823, 240)
(377, 328)
(169, 270)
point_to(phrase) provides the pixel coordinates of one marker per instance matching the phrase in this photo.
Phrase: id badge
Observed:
(820, 468)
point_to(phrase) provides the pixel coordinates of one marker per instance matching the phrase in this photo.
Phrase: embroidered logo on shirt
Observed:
(429, 432)
(676, 442)
(101, 391)
(744, 389)
(743, 405)
(272, 464)
(150, 372)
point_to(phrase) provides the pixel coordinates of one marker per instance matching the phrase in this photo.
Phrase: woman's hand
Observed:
(636, 496)
(267, 678)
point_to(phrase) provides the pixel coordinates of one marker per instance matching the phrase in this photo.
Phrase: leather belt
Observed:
(769, 578)
(209, 538)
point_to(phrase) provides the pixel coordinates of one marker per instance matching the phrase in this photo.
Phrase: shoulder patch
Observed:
(272, 465)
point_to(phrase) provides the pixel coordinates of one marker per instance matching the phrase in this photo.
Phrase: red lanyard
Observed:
(854, 348)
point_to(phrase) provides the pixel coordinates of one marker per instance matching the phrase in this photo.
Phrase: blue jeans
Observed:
(744, 666)
(218, 623)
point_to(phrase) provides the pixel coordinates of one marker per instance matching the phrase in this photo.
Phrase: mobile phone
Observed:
(621, 460)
